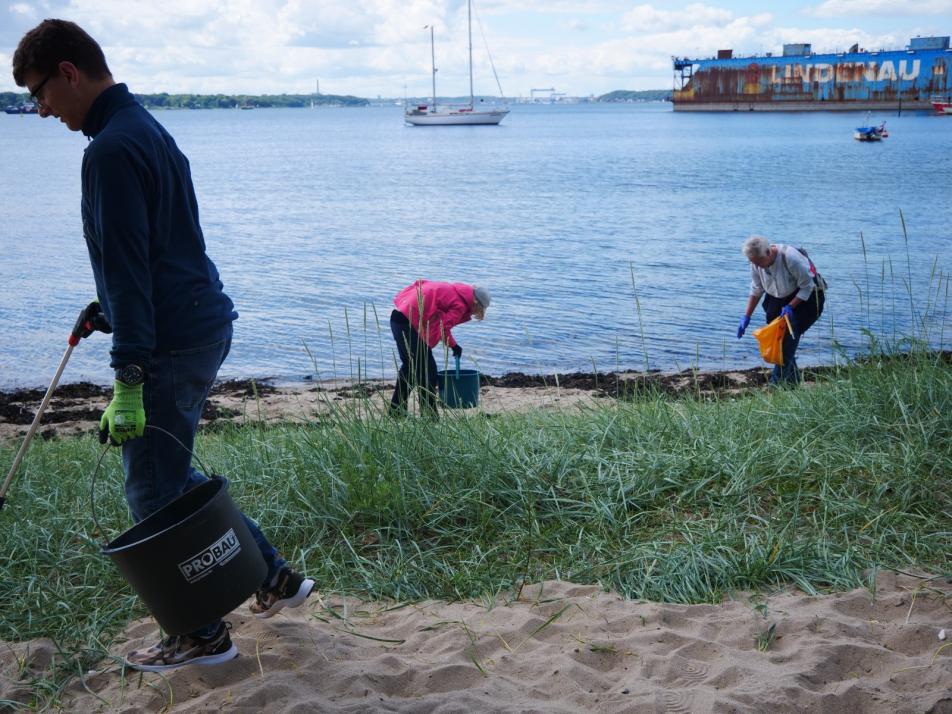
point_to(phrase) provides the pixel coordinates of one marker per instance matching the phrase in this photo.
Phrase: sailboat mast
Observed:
(433, 65)
(469, 18)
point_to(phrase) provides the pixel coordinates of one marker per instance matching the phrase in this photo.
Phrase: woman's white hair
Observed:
(756, 247)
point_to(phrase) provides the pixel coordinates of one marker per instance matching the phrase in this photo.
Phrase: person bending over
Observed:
(425, 314)
(783, 275)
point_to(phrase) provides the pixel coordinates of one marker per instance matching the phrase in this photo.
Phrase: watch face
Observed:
(131, 374)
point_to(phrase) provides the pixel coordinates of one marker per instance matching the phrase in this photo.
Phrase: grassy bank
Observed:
(678, 500)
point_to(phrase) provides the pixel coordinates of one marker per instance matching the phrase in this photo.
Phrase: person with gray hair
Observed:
(789, 281)
(425, 314)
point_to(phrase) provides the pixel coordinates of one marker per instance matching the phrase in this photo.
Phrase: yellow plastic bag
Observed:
(770, 338)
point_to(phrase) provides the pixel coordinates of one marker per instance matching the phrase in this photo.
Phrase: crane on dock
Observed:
(552, 95)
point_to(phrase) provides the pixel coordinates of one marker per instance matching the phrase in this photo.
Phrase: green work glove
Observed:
(124, 418)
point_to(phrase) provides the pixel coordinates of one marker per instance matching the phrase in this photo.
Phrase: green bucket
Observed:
(459, 388)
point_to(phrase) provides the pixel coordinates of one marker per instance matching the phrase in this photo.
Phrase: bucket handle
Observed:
(92, 483)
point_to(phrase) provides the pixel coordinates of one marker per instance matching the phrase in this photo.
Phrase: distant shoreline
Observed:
(170, 100)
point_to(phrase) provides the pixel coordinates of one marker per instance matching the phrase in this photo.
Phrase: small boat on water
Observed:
(871, 132)
(423, 115)
(942, 105)
(867, 133)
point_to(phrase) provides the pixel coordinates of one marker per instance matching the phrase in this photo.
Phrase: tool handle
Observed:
(457, 367)
(789, 326)
(36, 421)
(85, 325)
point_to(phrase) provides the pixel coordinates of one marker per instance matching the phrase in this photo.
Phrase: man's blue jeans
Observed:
(158, 468)
(789, 373)
(804, 315)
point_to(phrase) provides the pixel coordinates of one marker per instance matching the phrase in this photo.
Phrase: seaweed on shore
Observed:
(77, 403)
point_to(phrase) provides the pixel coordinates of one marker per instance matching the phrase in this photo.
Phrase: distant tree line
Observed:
(230, 101)
(8, 99)
(220, 101)
(644, 95)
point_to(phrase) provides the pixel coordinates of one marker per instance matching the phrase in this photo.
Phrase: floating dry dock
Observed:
(801, 80)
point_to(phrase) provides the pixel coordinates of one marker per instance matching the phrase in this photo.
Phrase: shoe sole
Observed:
(295, 600)
(220, 658)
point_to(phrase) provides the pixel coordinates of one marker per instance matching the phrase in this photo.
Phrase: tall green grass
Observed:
(673, 500)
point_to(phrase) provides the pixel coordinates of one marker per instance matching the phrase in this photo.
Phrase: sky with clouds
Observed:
(380, 47)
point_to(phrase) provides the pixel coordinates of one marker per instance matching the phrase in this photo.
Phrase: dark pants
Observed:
(158, 468)
(804, 315)
(417, 367)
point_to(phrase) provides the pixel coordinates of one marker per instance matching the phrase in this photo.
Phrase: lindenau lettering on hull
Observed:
(801, 80)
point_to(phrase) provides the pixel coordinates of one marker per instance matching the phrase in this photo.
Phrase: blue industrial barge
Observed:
(801, 80)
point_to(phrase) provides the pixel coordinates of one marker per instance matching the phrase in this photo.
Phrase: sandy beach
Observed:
(559, 647)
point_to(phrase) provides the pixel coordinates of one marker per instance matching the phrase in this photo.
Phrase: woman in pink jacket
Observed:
(425, 314)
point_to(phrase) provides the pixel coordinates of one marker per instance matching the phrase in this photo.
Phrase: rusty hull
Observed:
(883, 80)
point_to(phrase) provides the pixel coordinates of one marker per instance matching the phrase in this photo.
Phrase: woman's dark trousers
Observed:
(417, 368)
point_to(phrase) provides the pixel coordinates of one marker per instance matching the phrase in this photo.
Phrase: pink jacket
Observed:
(445, 305)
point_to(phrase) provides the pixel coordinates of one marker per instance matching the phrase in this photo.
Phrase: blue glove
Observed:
(787, 312)
(744, 322)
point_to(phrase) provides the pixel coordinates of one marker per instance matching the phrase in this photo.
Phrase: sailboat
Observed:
(433, 115)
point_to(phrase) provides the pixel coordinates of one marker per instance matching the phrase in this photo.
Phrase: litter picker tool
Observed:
(84, 325)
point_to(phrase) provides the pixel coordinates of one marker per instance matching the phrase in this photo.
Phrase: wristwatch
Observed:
(131, 375)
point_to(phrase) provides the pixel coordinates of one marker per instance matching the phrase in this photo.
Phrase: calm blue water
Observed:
(316, 217)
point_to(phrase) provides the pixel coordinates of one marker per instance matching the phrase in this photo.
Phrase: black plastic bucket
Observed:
(192, 561)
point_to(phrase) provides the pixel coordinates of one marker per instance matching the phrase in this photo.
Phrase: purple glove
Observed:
(744, 322)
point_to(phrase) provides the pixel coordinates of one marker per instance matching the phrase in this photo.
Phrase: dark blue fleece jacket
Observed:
(157, 287)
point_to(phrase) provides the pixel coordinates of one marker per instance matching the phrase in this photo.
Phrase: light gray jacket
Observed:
(790, 271)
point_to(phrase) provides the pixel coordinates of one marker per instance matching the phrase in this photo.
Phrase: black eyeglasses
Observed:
(35, 93)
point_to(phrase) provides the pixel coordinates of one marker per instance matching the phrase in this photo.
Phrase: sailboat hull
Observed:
(455, 118)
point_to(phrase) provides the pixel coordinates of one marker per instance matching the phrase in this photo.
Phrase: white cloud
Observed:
(865, 8)
(255, 23)
(833, 40)
(645, 18)
(571, 7)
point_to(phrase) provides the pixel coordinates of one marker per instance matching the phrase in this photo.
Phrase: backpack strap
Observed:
(818, 282)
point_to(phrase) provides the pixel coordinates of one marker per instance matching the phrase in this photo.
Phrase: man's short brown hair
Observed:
(54, 41)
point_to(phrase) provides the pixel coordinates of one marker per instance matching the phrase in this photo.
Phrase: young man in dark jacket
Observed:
(171, 321)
